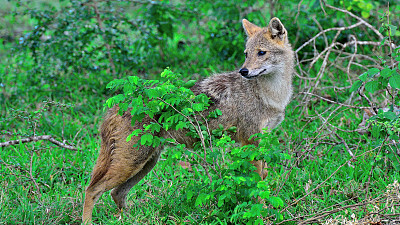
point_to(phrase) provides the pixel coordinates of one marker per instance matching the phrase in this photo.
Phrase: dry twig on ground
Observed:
(37, 138)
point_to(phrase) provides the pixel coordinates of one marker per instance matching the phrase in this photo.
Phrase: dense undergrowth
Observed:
(334, 159)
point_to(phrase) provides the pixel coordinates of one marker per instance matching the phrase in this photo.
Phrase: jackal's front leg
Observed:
(261, 168)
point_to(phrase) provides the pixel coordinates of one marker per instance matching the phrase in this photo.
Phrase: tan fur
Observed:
(250, 101)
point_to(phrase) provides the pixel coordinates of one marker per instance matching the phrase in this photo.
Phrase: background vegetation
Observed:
(340, 138)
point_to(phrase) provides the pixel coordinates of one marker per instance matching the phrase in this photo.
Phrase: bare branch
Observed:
(337, 103)
(356, 17)
(37, 138)
(327, 30)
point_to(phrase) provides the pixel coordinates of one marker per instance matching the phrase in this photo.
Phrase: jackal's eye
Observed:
(245, 54)
(260, 53)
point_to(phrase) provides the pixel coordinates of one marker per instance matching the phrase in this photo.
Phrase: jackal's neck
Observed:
(275, 89)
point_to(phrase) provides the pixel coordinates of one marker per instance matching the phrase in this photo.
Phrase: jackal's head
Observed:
(267, 49)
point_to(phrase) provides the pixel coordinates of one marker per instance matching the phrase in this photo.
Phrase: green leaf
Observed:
(167, 73)
(254, 211)
(155, 127)
(190, 84)
(123, 106)
(189, 195)
(386, 72)
(200, 199)
(375, 131)
(198, 107)
(153, 92)
(371, 72)
(133, 80)
(220, 201)
(146, 138)
(389, 115)
(258, 221)
(110, 102)
(181, 125)
(394, 81)
(118, 98)
(372, 86)
(134, 133)
(157, 141)
(111, 85)
(363, 77)
(45, 87)
(394, 137)
(392, 29)
(265, 194)
(365, 14)
(356, 85)
(276, 201)
(128, 139)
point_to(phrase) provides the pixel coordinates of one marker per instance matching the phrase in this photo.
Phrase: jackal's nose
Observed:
(244, 71)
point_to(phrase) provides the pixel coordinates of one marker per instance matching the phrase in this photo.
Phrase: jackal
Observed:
(250, 99)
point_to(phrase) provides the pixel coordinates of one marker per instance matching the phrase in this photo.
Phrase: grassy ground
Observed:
(42, 183)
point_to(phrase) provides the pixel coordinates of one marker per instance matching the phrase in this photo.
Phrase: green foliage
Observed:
(239, 194)
(160, 101)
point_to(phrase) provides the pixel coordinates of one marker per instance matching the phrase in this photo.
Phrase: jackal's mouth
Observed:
(254, 76)
(261, 72)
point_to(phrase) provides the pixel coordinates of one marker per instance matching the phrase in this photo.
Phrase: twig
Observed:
(320, 27)
(31, 174)
(323, 214)
(327, 30)
(356, 17)
(337, 103)
(325, 122)
(322, 69)
(361, 93)
(76, 135)
(198, 130)
(37, 138)
(346, 146)
(31, 160)
(319, 213)
(298, 11)
(352, 58)
(319, 185)
(350, 43)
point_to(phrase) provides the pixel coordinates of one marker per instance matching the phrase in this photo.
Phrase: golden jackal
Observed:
(250, 99)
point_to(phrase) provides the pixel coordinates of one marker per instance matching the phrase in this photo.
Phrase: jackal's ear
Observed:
(277, 30)
(250, 28)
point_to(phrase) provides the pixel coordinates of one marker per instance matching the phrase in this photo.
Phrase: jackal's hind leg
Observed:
(120, 192)
(111, 173)
(96, 190)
